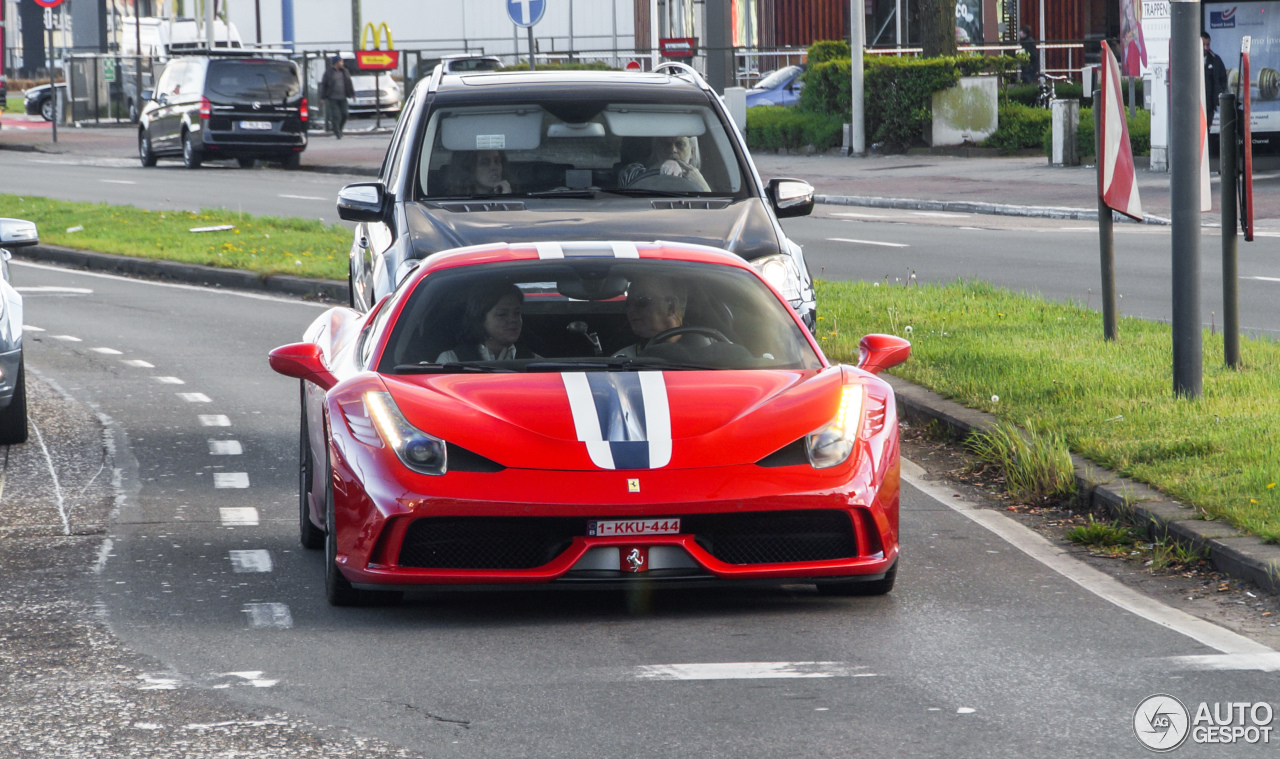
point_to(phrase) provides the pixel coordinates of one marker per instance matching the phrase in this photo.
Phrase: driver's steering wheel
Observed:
(715, 334)
(654, 179)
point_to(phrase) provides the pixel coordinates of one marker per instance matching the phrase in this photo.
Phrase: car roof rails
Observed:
(436, 75)
(229, 52)
(683, 68)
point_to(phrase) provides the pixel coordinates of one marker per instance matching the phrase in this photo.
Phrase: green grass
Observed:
(1101, 534)
(262, 244)
(13, 104)
(1045, 365)
(1037, 467)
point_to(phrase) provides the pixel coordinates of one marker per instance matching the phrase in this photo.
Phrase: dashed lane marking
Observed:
(169, 381)
(37, 289)
(225, 448)
(256, 560)
(751, 670)
(117, 181)
(195, 397)
(303, 197)
(230, 480)
(67, 338)
(106, 351)
(1264, 662)
(29, 328)
(941, 214)
(137, 363)
(214, 420)
(856, 215)
(239, 516)
(268, 615)
(1263, 279)
(869, 242)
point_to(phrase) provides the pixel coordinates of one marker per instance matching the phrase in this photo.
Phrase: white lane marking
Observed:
(195, 397)
(137, 363)
(53, 474)
(231, 479)
(855, 215)
(869, 242)
(254, 678)
(67, 338)
(214, 420)
(53, 289)
(1260, 662)
(235, 723)
(225, 448)
(237, 516)
(157, 682)
(169, 381)
(104, 553)
(147, 726)
(1263, 279)
(749, 670)
(966, 710)
(29, 328)
(302, 197)
(268, 615)
(106, 351)
(195, 288)
(256, 560)
(1102, 585)
(941, 214)
(117, 181)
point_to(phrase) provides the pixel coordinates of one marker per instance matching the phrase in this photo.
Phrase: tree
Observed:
(938, 27)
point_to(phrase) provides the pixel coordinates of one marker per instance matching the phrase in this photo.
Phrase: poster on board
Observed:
(1227, 24)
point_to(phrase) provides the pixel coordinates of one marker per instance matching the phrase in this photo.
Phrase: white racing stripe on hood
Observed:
(623, 417)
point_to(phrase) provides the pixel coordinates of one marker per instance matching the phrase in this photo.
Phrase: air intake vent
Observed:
(714, 204)
(477, 206)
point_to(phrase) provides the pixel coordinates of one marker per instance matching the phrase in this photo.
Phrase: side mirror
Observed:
(18, 233)
(790, 197)
(146, 95)
(302, 361)
(879, 352)
(362, 201)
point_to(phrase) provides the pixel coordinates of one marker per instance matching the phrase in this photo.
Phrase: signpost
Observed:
(378, 60)
(526, 13)
(48, 6)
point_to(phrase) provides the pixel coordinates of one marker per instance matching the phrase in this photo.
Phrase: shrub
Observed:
(827, 50)
(1027, 93)
(899, 96)
(1021, 126)
(1139, 134)
(773, 127)
(826, 87)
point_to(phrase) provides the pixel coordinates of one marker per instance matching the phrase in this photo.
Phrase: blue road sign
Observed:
(526, 12)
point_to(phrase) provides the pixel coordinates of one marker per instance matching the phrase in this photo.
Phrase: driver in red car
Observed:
(654, 305)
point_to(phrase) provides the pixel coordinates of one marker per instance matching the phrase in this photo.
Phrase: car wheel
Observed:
(46, 109)
(312, 537)
(13, 419)
(246, 163)
(291, 160)
(337, 588)
(190, 156)
(145, 153)
(860, 588)
(133, 111)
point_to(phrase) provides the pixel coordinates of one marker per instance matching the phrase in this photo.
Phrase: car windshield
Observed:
(585, 313)
(270, 81)
(576, 148)
(777, 78)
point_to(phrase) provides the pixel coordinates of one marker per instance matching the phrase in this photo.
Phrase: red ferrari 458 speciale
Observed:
(591, 414)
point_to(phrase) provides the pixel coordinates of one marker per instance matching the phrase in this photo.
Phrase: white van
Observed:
(161, 37)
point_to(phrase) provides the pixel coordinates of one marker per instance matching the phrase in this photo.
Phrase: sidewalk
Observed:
(1025, 182)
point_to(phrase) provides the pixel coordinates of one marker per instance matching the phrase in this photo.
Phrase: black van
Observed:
(225, 106)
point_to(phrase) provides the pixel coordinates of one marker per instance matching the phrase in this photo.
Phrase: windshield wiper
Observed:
(636, 192)
(566, 192)
(612, 365)
(446, 368)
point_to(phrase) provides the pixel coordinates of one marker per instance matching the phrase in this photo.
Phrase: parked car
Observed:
(226, 105)
(577, 164)
(38, 100)
(4, 90)
(14, 233)
(592, 450)
(781, 87)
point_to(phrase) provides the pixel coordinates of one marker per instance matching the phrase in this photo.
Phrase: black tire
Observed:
(337, 588)
(46, 109)
(857, 588)
(145, 153)
(291, 160)
(191, 157)
(13, 419)
(312, 537)
(246, 163)
(133, 112)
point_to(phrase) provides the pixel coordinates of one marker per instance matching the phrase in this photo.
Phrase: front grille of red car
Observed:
(762, 537)
(774, 537)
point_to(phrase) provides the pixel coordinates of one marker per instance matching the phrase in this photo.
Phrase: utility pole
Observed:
(355, 24)
(1186, 65)
(857, 97)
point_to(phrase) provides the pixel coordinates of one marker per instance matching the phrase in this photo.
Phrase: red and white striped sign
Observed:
(1117, 181)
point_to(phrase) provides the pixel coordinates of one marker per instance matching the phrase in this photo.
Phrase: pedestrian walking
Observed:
(1215, 78)
(335, 88)
(1031, 69)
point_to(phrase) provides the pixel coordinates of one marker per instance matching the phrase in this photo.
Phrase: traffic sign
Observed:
(108, 69)
(633, 65)
(377, 60)
(526, 12)
(48, 3)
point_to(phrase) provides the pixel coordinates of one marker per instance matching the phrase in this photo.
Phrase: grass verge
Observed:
(262, 244)
(1045, 365)
(1037, 467)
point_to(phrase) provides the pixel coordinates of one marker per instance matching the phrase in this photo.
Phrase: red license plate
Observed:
(627, 527)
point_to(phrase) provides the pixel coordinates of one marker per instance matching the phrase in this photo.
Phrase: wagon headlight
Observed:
(417, 450)
(832, 444)
(780, 271)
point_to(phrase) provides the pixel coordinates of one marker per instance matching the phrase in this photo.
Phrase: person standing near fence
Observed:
(1031, 69)
(335, 88)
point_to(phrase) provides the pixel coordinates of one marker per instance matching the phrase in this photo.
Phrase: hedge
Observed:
(772, 127)
(1139, 134)
(1021, 126)
(827, 50)
(1028, 93)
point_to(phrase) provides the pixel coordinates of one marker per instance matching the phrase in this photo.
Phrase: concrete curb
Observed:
(319, 289)
(1231, 551)
(973, 206)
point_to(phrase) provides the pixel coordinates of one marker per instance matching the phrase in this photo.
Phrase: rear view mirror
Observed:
(302, 361)
(362, 201)
(879, 352)
(790, 197)
(18, 233)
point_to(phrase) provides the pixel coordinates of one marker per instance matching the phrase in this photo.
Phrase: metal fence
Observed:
(104, 88)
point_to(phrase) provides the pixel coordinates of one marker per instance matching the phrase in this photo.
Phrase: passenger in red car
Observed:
(654, 305)
(491, 326)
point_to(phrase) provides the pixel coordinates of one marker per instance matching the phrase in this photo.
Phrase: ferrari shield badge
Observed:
(633, 485)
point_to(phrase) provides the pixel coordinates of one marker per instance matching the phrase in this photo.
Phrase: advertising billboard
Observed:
(1227, 24)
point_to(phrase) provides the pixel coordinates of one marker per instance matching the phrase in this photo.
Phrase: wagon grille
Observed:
(769, 537)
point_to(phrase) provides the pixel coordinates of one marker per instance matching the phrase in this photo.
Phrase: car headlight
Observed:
(832, 444)
(780, 271)
(417, 450)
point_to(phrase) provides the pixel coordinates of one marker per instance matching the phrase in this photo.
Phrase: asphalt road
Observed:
(982, 651)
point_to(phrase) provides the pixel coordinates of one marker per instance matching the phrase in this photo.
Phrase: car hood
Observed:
(620, 420)
(740, 226)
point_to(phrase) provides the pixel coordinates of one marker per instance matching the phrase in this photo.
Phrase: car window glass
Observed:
(369, 338)
(192, 78)
(777, 78)
(266, 81)
(171, 78)
(391, 170)
(587, 311)
(584, 145)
